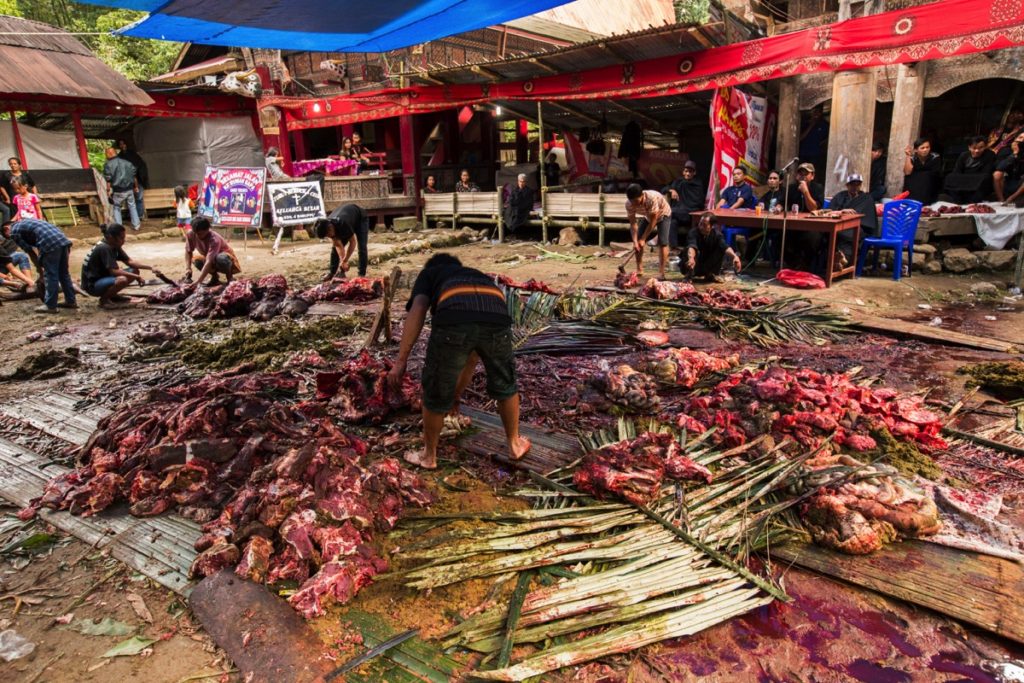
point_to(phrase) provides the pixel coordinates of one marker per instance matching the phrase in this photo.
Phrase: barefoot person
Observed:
(216, 257)
(101, 275)
(469, 324)
(650, 209)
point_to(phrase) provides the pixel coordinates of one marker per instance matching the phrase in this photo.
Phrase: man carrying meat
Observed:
(469, 324)
(655, 214)
(216, 257)
(346, 227)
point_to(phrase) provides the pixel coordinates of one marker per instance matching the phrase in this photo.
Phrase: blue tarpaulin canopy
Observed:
(320, 25)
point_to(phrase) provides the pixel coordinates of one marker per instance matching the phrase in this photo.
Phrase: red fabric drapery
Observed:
(932, 31)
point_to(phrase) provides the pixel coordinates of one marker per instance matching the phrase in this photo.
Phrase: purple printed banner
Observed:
(233, 196)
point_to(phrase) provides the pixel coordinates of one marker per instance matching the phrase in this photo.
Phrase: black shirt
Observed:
(773, 198)
(347, 220)
(712, 242)
(1012, 165)
(797, 197)
(878, 173)
(7, 177)
(451, 304)
(691, 196)
(863, 203)
(923, 181)
(552, 173)
(99, 261)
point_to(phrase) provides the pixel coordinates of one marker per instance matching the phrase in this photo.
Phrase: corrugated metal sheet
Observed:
(57, 65)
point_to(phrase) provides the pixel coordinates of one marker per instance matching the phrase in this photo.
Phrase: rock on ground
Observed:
(569, 236)
(959, 260)
(997, 260)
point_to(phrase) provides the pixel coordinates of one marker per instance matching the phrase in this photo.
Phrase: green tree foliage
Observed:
(136, 59)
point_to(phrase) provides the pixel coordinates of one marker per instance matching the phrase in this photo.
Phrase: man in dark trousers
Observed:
(141, 174)
(49, 249)
(344, 223)
(705, 251)
(686, 195)
(854, 200)
(469, 324)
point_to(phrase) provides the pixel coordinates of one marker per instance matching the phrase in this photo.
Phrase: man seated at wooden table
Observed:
(705, 250)
(853, 200)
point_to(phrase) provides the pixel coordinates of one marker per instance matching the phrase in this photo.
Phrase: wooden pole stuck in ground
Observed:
(382, 322)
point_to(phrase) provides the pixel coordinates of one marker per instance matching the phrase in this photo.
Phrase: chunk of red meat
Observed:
(214, 559)
(95, 495)
(297, 531)
(285, 566)
(235, 300)
(338, 581)
(860, 442)
(255, 562)
(171, 294)
(341, 506)
(681, 468)
(337, 541)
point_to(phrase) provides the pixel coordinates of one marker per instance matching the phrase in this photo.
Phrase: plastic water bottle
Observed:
(795, 209)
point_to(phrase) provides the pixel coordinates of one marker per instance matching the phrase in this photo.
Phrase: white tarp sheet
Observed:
(44, 149)
(994, 229)
(177, 151)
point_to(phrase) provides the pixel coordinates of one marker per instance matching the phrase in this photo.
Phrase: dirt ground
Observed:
(58, 580)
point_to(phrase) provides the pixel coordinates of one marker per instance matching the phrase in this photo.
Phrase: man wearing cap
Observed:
(685, 196)
(803, 248)
(853, 200)
(807, 194)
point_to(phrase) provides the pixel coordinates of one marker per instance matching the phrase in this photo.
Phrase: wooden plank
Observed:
(931, 334)
(979, 589)
(550, 449)
(55, 414)
(157, 547)
(265, 638)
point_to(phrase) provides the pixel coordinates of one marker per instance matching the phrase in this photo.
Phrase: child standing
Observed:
(26, 202)
(182, 208)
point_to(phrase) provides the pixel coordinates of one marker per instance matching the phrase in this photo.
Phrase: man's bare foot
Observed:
(520, 447)
(420, 458)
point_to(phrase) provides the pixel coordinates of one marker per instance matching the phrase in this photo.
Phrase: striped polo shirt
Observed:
(461, 295)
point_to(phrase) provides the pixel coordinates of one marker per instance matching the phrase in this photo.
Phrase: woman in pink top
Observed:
(27, 203)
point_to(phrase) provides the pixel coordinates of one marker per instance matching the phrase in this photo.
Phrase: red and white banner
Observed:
(740, 126)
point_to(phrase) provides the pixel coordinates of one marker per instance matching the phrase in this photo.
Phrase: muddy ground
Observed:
(832, 633)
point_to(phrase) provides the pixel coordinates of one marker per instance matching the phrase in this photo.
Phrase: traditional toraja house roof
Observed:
(40, 59)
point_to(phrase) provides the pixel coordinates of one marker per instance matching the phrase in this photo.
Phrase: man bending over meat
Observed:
(649, 210)
(348, 226)
(469, 324)
(705, 251)
(216, 257)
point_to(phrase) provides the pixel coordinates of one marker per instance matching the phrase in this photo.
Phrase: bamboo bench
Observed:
(465, 207)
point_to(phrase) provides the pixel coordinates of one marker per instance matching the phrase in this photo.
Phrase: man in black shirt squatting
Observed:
(469, 324)
(705, 250)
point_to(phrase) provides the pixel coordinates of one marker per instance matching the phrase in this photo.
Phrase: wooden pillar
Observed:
(787, 142)
(410, 163)
(83, 151)
(17, 139)
(850, 130)
(907, 104)
(543, 177)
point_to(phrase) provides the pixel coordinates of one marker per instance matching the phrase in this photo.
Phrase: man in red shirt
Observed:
(215, 255)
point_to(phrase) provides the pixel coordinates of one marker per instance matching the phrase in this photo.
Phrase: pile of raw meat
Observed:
(928, 212)
(686, 293)
(808, 406)
(859, 517)
(627, 388)
(263, 299)
(635, 469)
(531, 285)
(684, 367)
(282, 492)
(627, 280)
(360, 392)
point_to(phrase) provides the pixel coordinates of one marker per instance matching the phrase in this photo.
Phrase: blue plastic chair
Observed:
(899, 225)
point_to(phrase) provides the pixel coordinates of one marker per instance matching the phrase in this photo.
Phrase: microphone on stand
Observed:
(790, 164)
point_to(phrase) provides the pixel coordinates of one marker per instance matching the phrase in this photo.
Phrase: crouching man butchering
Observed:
(469, 325)
(706, 249)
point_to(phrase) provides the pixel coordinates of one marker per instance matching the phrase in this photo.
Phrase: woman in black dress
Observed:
(922, 172)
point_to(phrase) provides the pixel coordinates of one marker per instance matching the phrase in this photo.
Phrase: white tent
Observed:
(44, 149)
(177, 151)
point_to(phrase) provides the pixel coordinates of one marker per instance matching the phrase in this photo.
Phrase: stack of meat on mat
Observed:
(264, 298)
